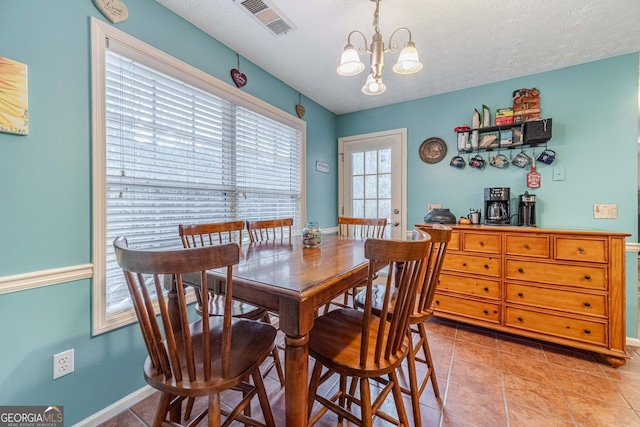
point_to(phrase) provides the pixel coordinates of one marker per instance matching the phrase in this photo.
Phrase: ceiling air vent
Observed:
(268, 15)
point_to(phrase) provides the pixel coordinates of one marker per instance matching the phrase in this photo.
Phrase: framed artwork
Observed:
(14, 107)
(322, 166)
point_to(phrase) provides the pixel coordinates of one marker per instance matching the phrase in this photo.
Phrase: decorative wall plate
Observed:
(432, 150)
(114, 10)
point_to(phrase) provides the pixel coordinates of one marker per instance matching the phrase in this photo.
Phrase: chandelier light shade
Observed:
(373, 86)
(350, 64)
(408, 62)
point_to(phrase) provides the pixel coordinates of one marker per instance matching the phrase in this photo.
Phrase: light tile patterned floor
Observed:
(494, 379)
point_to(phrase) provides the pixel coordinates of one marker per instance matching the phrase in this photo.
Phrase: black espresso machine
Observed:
(527, 210)
(496, 206)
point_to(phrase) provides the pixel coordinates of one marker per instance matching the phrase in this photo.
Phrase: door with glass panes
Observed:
(371, 174)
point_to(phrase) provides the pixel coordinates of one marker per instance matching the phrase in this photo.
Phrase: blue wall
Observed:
(595, 134)
(45, 178)
(45, 193)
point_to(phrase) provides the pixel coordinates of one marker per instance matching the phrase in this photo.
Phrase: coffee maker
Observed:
(496, 206)
(527, 210)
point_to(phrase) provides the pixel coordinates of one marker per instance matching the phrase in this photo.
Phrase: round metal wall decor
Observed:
(432, 150)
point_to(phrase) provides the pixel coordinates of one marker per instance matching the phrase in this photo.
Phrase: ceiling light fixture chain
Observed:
(350, 64)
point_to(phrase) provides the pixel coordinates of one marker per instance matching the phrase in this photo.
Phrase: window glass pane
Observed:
(357, 187)
(384, 164)
(371, 162)
(384, 185)
(371, 209)
(371, 186)
(357, 163)
(358, 208)
(384, 208)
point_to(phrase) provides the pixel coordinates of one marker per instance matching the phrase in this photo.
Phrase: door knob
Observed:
(396, 211)
(395, 224)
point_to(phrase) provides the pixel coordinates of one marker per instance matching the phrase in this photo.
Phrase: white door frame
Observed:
(402, 133)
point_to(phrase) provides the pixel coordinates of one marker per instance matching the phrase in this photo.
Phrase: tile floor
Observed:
(493, 379)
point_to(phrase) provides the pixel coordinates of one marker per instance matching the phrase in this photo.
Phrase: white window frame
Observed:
(101, 33)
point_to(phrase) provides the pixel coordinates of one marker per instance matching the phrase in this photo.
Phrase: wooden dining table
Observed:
(293, 281)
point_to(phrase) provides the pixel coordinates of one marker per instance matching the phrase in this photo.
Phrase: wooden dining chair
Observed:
(203, 358)
(359, 346)
(216, 233)
(361, 227)
(357, 228)
(270, 229)
(440, 236)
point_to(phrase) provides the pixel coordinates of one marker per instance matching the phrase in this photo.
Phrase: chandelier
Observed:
(350, 64)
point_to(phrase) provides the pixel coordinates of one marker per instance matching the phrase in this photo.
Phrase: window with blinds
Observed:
(177, 153)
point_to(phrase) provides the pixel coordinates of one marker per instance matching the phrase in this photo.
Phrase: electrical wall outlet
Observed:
(431, 207)
(62, 363)
(605, 211)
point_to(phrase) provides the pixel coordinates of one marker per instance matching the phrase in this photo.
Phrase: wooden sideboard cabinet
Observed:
(562, 286)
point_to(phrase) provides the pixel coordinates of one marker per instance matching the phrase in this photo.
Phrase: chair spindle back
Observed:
(361, 227)
(270, 229)
(174, 356)
(413, 256)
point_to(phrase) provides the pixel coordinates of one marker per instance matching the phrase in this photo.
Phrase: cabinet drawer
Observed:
(577, 329)
(472, 264)
(588, 250)
(557, 274)
(469, 308)
(469, 285)
(481, 242)
(532, 246)
(557, 299)
(454, 243)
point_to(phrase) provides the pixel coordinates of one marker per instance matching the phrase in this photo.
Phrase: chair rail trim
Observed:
(38, 279)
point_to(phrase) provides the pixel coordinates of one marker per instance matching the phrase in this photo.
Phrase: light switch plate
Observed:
(433, 206)
(558, 174)
(605, 211)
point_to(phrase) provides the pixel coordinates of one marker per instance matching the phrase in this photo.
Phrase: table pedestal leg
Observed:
(296, 362)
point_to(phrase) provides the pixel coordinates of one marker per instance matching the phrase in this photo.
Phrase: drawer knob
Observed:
(520, 270)
(587, 304)
(437, 302)
(486, 311)
(520, 294)
(486, 289)
(520, 319)
(526, 246)
(481, 243)
(587, 277)
(486, 266)
(581, 250)
(587, 331)
(464, 264)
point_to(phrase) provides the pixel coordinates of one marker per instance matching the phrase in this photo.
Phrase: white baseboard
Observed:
(117, 407)
(633, 342)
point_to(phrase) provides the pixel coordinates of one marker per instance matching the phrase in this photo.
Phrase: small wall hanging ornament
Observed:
(114, 10)
(299, 107)
(533, 177)
(238, 78)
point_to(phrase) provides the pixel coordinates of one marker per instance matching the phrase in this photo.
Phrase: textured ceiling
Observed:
(462, 43)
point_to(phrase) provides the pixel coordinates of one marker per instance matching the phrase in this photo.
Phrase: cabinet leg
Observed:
(614, 361)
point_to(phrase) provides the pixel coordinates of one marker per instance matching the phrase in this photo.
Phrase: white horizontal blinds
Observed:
(268, 156)
(169, 160)
(178, 154)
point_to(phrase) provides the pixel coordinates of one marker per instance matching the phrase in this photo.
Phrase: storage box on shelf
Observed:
(506, 136)
(560, 286)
